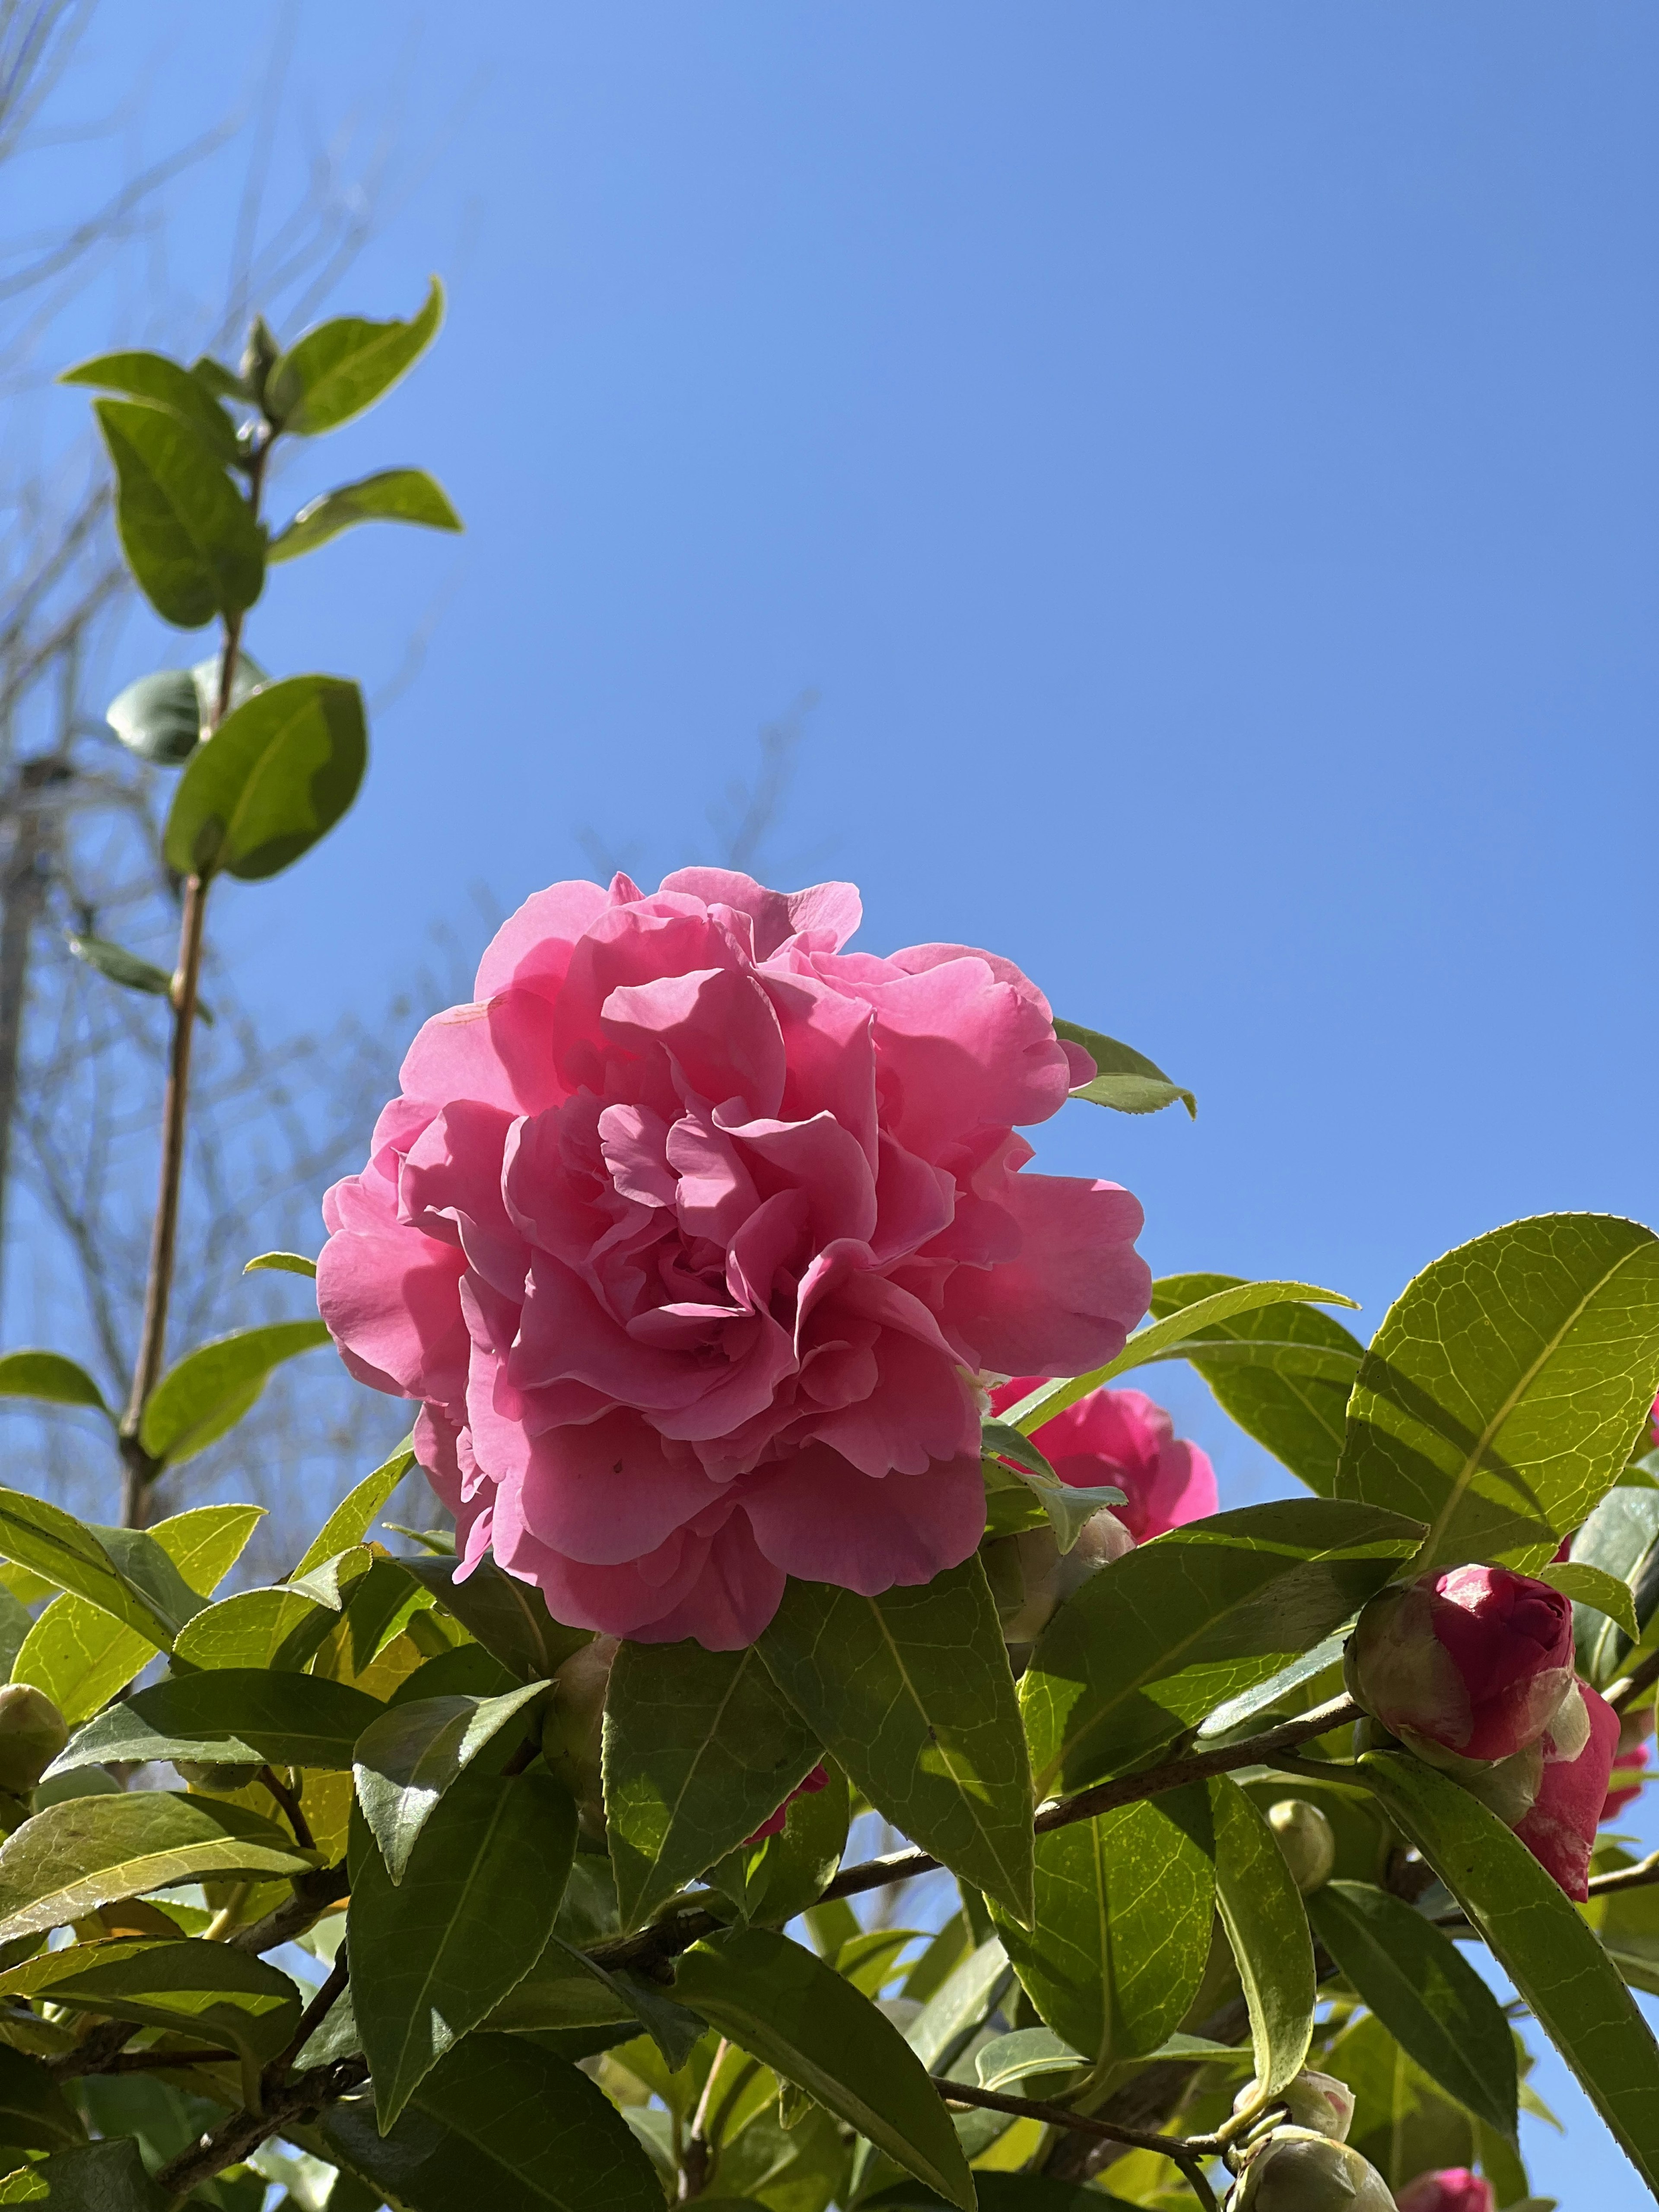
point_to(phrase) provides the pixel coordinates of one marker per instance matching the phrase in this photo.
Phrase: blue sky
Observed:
(1203, 457)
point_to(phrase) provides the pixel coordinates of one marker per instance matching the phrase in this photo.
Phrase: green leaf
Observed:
(958, 2008)
(1268, 1928)
(1049, 1398)
(1621, 1537)
(503, 2123)
(1402, 2123)
(158, 717)
(417, 1750)
(122, 1571)
(699, 1748)
(88, 1851)
(265, 1628)
(911, 1693)
(49, 1376)
(1122, 1928)
(1010, 2059)
(287, 1263)
(1590, 1586)
(1283, 1373)
(34, 2114)
(1424, 1992)
(189, 536)
(211, 1387)
(159, 382)
(352, 1519)
(788, 2009)
(227, 1716)
(118, 965)
(100, 2177)
(784, 1873)
(506, 1616)
(393, 495)
(1068, 1507)
(1125, 1079)
(1200, 1616)
(1539, 1938)
(1498, 1399)
(341, 367)
(432, 1955)
(209, 1991)
(275, 776)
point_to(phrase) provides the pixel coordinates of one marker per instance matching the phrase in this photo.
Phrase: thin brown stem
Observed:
(231, 2141)
(1188, 2152)
(313, 1893)
(290, 1804)
(698, 2154)
(313, 2017)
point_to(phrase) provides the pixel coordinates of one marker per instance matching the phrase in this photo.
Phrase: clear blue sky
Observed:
(1202, 455)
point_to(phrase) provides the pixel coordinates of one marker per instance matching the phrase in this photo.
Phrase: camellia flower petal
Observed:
(1121, 1437)
(1560, 1829)
(692, 1235)
(1453, 2189)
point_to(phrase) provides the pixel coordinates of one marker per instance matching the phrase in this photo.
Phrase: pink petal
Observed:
(609, 1491)
(497, 1053)
(818, 1517)
(829, 911)
(1077, 1288)
(823, 1161)
(533, 947)
(393, 1306)
(718, 1027)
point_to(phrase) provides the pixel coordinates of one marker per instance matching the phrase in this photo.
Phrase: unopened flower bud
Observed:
(1475, 1662)
(1295, 2170)
(573, 1727)
(1308, 1843)
(32, 1733)
(1045, 1576)
(1453, 2189)
(1318, 2102)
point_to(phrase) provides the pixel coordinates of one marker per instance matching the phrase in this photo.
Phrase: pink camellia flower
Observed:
(773, 1824)
(691, 1235)
(1560, 1829)
(1120, 1437)
(1453, 2189)
(1476, 1661)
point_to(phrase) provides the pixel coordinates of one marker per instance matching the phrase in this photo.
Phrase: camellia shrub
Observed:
(784, 1472)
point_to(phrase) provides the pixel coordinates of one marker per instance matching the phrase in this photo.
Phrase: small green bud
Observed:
(259, 356)
(32, 1733)
(1295, 2170)
(1044, 1577)
(573, 1727)
(1307, 1840)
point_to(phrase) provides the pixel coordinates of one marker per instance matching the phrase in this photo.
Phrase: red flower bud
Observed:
(1560, 1830)
(1453, 2189)
(1475, 1662)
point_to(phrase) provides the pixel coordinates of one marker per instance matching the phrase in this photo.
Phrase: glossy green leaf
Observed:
(506, 1616)
(285, 1263)
(89, 1851)
(224, 1716)
(1424, 1992)
(211, 1387)
(209, 1991)
(796, 2015)
(784, 1873)
(1049, 1398)
(504, 2125)
(1007, 2060)
(1402, 2123)
(417, 1749)
(393, 495)
(34, 2114)
(1590, 1586)
(1283, 1373)
(354, 1515)
(1498, 1400)
(1124, 1078)
(1197, 1616)
(1067, 1507)
(49, 1376)
(1122, 1926)
(275, 776)
(432, 1955)
(278, 1628)
(1620, 1537)
(341, 367)
(157, 717)
(189, 536)
(81, 1655)
(124, 1572)
(959, 2006)
(1553, 1958)
(153, 377)
(99, 2177)
(911, 1692)
(699, 1748)
(1267, 1925)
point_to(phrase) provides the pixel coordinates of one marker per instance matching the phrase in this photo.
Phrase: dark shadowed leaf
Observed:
(415, 1751)
(161, 383)
(1543, 1944)
(34, 2114)
(501, 2123)
(344, 366)
(796, 2015)
(100, 2177)
(911, 1692)
(785, 1873)
(506, 1616)
(1402, 2123)
(188, 534)
(1124, 1078)
(1268, 1927)
(1621, 1537)
(90, 1851)
(699, 1748)
(1123, 1928)
(211, 1387)
(1498, 1400)
(275, 776)
(1424, 1992)
(393, 495)
(1198, 1616)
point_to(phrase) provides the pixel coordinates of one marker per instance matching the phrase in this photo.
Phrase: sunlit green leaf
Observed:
(153, 377)
(1267, 1925)
(286, 1263)
(1124, 1078)
(393, 495)
(123, 1570)
(188, 534)
(1621, 1537)
(344, 366)
(353, 1517)
(49, 1376)
(1591, 1586)
(211, 1387)
(275, 776)
(256, 1628)
(1402, 2123)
